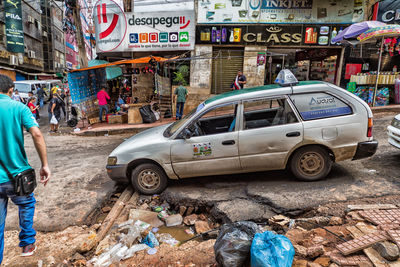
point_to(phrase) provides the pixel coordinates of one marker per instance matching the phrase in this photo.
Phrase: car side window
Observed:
(218, 120)
(319, 106)
(267, 112)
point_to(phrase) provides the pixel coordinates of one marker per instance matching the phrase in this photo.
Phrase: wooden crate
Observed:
(118, 118)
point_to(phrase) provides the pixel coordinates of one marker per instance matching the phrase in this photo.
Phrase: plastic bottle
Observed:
(214, 34)
(223, 35)
(333, 35)
(231, 37)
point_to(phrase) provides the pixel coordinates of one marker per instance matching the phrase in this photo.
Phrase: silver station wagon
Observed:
(302, 126)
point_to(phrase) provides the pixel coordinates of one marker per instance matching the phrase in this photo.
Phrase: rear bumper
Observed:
(366, 149)
(117, 173)
(394, 136)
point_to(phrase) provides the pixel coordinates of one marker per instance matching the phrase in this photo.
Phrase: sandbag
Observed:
(271, 250)
(232, 247)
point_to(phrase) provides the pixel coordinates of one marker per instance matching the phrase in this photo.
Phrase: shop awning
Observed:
(126, 61)
(111, 72)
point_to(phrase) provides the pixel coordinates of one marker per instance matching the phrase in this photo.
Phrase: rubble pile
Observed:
(147, 228)
(369, 237)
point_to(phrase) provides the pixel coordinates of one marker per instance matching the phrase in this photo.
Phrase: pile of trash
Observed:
(127, 239)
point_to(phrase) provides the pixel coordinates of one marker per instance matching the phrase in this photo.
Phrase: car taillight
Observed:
(370, 124)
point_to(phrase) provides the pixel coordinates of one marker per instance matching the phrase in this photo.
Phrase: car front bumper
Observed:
(394, 136)
(366, 149)
(117, 173)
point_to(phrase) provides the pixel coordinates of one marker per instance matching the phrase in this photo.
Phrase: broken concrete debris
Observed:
(387, 250)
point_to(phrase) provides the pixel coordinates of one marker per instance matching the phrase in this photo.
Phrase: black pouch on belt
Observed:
(24, 182)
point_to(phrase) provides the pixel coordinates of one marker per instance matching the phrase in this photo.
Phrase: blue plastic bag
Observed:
(271, 250)
(151, 240)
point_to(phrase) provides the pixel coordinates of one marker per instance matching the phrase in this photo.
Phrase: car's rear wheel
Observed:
(149, 179)
(311, 163)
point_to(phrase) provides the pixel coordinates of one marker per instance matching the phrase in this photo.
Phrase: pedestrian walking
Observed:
(397, 90)
(31, 105)
(16, 96)
(181, 95)
(40, 96)
(61, 97)
(54, 110)
(240, 80)
(102, 97)
(13, 161)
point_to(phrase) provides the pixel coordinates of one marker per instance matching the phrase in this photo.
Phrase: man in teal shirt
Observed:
(14, 116)
(180, 98)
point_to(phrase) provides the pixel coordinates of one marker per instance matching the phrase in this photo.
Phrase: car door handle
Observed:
(228, 142)
(293, 134)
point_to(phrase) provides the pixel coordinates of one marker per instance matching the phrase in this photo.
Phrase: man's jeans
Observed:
(179, 110)
(26, 206)
(105, 108)
(40, 101)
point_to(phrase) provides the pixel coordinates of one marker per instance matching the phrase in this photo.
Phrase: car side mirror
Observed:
(186, 134)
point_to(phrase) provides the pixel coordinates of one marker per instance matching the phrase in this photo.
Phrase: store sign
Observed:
(315, 35)
(387, 11)
(155, 31)
(280, 11)
(14, 27)
(110, 24)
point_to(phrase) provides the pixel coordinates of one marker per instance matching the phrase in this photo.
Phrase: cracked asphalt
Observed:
(257, 196)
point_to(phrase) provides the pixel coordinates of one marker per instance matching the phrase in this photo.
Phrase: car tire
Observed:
(311, 163)
(149, 179)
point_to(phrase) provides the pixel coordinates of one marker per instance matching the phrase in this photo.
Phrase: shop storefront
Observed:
(307, 50)
(262, 37)
(360, 71)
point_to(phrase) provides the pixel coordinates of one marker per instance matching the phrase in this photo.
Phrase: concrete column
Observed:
(254, 74)
(201, 69)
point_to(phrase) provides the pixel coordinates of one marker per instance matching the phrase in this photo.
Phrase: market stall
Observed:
(136, 92)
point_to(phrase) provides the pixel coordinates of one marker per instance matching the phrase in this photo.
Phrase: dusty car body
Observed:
(305, 128)
(393, 131)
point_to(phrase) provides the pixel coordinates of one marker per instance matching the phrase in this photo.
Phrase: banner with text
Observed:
(280, 11)
(14, 27)
(147, 31)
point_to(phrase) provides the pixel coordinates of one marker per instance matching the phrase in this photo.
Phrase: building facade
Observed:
(53, 36)
(29, 61)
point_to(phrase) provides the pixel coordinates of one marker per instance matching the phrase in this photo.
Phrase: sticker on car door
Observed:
(202, 150)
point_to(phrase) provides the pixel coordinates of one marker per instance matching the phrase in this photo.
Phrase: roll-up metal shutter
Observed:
(226, 63)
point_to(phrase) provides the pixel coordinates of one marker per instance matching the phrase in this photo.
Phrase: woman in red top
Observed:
(32, 106)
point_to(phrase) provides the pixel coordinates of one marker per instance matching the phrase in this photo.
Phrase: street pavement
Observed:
(80, 184)
(257, 196)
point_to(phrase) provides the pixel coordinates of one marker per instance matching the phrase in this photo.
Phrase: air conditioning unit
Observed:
(31, 54)
(13, 60)
(44, 34)
(31, 19)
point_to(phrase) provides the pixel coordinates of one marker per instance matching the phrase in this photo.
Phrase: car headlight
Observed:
(396, 123)
(112, 161)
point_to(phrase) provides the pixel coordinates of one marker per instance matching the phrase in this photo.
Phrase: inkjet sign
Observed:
(387, 11)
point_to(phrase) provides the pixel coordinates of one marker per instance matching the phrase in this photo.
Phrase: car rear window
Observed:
(320, 105)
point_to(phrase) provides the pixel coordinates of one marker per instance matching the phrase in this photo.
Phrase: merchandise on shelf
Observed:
(366, 93)
(385, 78)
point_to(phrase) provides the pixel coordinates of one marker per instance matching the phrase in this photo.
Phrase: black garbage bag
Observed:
(167, 114)
(147, 114)
(232, 247)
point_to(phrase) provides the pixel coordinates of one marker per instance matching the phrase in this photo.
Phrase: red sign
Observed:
(352, 69)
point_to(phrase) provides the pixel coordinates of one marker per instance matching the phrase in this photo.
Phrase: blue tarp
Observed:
(111, 72)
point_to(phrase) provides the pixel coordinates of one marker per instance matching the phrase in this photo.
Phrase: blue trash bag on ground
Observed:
(271, 250)
(232, 247)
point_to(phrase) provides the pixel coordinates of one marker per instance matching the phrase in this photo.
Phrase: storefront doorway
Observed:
(307, 64)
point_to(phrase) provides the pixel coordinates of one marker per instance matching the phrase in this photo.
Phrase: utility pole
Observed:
(79, 37)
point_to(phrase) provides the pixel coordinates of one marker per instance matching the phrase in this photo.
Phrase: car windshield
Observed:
(176, 125)
(22, 87)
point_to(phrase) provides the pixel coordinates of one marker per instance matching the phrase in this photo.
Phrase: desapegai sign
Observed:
(14, 27)
(147, 31)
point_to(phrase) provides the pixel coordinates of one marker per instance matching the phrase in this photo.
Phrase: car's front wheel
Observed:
(149, 179)
(311, 163)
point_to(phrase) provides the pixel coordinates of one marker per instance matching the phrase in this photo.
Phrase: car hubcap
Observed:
(149, 179)
(311, 163)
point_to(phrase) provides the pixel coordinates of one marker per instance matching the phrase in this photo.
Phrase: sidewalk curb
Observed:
(390, 109)
(111, 132)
